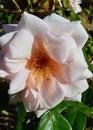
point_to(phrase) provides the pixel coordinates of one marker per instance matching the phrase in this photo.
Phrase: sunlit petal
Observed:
(49, 89)
(34, 24)
(79, 34)
(75, 88)
(24, 45)
(18, 82)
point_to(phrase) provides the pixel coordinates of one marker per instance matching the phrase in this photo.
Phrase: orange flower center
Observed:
(41, 63)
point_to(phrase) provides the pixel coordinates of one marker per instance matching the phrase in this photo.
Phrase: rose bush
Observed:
(43, 61)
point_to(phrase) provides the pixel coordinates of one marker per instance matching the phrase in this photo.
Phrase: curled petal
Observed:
(21, 48)
(63, 25)
(18, 82)
(34, 24)
(74, 89)
(6, 38)
(55, 18)
(9, 27)
(40, 100)
(30, 99)
(58, 46)
(77, 70)
(79, 34)
(3, 73)
(12, 65)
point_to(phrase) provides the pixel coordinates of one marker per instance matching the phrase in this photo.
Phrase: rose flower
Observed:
(43, 61)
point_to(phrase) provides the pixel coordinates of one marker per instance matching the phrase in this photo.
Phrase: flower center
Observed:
(40, 63)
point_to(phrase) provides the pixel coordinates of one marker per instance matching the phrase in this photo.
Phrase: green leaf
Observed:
(71, 103)
(80, 121)
(70, 115)
(91, 49)
(73, 16)
(84, 109)
(52, 120)
(60, 107)
(21, 114)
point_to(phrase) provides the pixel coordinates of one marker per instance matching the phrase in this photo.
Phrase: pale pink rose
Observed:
(75, 5)
(43, 61)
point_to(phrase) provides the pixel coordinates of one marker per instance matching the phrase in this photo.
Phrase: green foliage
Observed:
(67, 115)
(21, 114)
(52, 120)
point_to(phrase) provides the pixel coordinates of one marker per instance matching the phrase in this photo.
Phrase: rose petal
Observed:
(6, 38)
(75, 88)
(34, 24)
(76, 54)
(87, 74)
(40, 112)
(18, 82)
(20, 46)
(55, 18)
(51, 98)
(58, 46)
(79, 34)
(76, 98)
(74, 28)
(40, 100)
(30, 99)
(63, 25)
(60, 72)
(3, 73)
(12, 65)
(9, 27)
(76, 70)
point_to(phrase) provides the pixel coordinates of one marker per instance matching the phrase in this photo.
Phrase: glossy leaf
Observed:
(70, 115)
(60, 107)
(80, 121)
(52, 120)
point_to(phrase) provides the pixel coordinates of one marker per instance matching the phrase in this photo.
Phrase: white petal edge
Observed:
(55, 18)
(75, 98)
(75, 88)
(6, 38)
(39, 113)
(79, 34)
(18, 82)
(30, 22)
(3, 74)
(9, 27)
